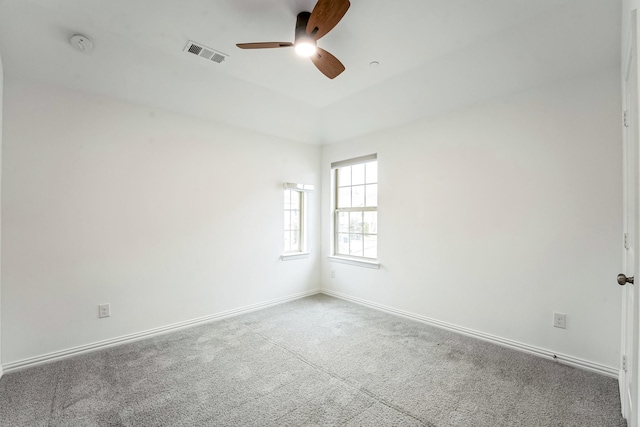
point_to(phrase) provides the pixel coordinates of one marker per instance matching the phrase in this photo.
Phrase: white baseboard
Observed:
(62, 354)
(537, 351)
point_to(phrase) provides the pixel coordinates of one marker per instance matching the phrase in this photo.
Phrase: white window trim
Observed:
(289, 256)
(340, 258)
(304, 252)
(354, 261)
(307, 188)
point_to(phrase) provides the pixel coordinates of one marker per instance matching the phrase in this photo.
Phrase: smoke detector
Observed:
(82, 43)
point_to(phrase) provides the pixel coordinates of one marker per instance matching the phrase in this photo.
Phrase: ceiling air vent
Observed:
(205, 52)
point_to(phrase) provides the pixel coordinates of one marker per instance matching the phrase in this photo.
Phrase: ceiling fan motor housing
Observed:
(301, 27)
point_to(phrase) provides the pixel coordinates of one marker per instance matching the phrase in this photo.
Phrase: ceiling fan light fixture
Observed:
(310, 27)
(305, 47)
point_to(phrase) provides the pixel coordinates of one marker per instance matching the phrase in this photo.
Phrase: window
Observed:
(356, 208)
(292, 220)
(295, 222)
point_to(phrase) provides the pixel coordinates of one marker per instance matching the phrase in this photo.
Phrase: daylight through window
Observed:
(292, 220)
(356, 207)
(296, 198)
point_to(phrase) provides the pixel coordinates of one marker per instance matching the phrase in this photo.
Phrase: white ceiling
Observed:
(434, 55)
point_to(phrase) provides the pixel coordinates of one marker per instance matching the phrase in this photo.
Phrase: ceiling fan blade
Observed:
(325, 15)
(264, 45)
(328, 64)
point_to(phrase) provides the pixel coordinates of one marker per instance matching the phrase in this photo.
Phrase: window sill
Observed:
(296, 255)
(353, 261)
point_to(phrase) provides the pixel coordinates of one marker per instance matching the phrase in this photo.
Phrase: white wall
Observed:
(165, 217)
(491, 218)
(627, 7)
(495, 216)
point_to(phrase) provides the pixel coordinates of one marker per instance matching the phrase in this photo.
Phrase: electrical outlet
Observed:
(333, 274)
(560, 320)
(104, 310)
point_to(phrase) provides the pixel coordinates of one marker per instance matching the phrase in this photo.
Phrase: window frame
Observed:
(300, 208)
(335, 255)
(303, 249)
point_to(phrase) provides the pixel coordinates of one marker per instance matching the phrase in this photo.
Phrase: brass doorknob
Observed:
(623, 280)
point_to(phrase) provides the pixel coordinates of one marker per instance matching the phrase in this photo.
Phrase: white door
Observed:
(630, 330)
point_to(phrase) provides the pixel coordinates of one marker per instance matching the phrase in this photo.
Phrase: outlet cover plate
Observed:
(104, 310)
(560, 320)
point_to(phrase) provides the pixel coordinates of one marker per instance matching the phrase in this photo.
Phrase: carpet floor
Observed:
(313, 361)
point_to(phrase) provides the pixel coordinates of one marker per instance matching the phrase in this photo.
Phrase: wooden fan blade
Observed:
(264, 45)
(325, 15)
(328, 64)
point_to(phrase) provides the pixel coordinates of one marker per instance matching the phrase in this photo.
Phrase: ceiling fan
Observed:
(310, 27)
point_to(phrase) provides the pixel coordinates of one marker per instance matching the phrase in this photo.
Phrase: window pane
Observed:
(356, 187)
(295, 241)
(372, 195)
(287, 220)
(370, 223)
(295, 200)
(357, 174)
(357, 196)
(371, 246)
(287, 242)
(355, 223)
(372, 172)
(287, 199)
(344, 176)
(343, 243)
(292, 220)
(343, 222)
(344, 197)
(355, 247)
